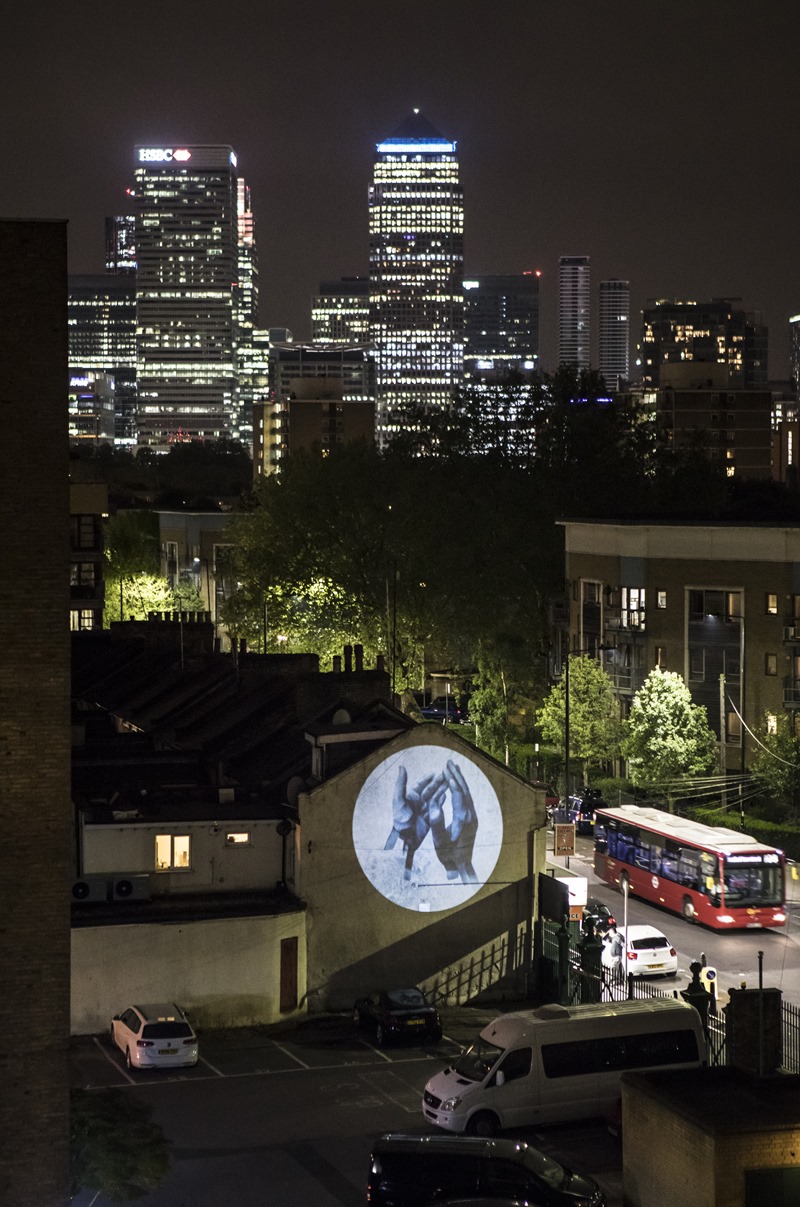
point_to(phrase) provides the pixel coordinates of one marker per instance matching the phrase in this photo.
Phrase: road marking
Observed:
(302, 1063)
(384, 1093)
(114, 1064)
(212, 1067)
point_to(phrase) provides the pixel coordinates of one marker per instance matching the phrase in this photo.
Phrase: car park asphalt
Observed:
(295, 1073)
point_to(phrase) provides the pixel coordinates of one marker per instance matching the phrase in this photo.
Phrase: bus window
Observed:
(600, 839)
(670, 855)
(689, 868)
(753, 884)
(641, 854)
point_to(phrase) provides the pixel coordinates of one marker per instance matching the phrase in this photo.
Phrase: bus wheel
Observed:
(483, 1124)
(624, 883)
(687, 909)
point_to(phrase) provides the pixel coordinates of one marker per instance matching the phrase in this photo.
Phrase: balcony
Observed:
(791, 693)
(791, 632)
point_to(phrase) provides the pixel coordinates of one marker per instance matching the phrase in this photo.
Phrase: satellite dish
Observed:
(295, 786)
(341, 717)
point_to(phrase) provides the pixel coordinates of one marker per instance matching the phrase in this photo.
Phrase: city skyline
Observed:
(661, 152)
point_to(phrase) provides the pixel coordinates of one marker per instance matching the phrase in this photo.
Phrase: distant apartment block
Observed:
(715, 332)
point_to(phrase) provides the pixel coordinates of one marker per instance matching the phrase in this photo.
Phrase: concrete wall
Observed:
(359, 937)
(216, 865)
(225, 972)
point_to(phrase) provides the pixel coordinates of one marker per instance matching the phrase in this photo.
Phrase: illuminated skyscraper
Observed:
(101, 313)
(416, 224)
(615, 328)
(501, 323)
(186, 202)
(340, 312)
(121, 243)
(573, 311)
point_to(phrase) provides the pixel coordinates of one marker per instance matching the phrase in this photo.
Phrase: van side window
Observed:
(614, 1053)
(570, 1059)
(516, 1064)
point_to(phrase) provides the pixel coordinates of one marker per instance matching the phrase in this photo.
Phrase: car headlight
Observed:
(451, 1104)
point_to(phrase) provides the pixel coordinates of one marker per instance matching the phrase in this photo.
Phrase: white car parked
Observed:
(647, 952)
(156, 1036)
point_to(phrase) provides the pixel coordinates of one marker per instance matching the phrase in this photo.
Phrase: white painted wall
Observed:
(225, 972)
(215, 864)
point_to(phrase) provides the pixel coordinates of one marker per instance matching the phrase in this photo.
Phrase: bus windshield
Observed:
(753, 884)
(478, 1060)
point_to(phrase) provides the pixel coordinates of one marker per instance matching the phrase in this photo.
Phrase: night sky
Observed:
(659, 139)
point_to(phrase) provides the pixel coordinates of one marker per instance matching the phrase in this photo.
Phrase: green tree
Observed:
(115, 1147)
(595, 727)
(141, 594)
(777, 764)
(666, 735)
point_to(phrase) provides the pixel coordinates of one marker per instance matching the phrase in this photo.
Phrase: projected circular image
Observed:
(427, 828)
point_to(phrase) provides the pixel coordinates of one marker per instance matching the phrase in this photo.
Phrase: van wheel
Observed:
(357, 1018)
(688, 911)
(381, 1038)
(483, 1124)
(128, 1060)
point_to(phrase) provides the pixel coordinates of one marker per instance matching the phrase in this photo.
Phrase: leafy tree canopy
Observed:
(595, 726)
(777, 764)
(666, 735)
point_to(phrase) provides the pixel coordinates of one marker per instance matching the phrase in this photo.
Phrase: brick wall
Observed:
(34, 715)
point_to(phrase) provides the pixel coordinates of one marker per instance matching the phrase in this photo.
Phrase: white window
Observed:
(173, 851)
(237, 838)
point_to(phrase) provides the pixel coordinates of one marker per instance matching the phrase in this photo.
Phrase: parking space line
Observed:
(377, 1051)
(286, 1052)
(213, 1069)
(113, 1063)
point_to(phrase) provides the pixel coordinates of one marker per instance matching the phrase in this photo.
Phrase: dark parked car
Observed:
(415, 1171)
(443, 707)
(392, 1013)
(600, 914)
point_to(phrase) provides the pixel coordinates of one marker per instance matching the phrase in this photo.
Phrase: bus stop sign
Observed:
(564, 839)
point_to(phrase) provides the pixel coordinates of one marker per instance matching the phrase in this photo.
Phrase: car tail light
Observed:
(190, 1041)
(672, 951)
(633, 955)
(145, 1043)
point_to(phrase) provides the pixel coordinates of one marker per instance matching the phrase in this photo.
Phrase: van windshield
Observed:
(479, 1058)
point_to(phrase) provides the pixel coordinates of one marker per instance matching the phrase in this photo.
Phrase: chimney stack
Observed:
(348, 659)
(358, 650)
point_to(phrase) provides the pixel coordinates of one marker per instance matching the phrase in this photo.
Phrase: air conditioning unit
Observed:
(91, 888)
(131, 888)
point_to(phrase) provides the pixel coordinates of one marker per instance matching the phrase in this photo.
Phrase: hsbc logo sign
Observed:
(163, 155)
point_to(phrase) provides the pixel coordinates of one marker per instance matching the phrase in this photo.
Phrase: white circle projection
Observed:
(427, 828)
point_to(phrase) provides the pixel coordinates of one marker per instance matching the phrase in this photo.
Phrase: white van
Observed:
(560, 1062)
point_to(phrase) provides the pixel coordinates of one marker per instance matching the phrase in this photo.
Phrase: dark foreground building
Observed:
(34, 716)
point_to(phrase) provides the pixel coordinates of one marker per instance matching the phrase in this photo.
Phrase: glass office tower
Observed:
(186, 309)
(573, 311)
(615, 331)
(416, 224)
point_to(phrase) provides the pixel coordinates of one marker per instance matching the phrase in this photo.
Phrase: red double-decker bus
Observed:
(707, 873)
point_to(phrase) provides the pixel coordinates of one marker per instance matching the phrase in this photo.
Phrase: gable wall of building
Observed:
(379, 916)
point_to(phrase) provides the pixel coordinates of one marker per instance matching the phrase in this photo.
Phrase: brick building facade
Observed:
(34, 716)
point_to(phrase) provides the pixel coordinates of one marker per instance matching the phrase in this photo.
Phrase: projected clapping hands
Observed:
(420, 810)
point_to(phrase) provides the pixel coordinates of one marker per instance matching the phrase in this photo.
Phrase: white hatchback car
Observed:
(648, 952)
(155, 1036)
